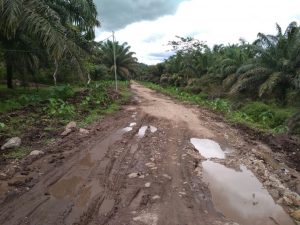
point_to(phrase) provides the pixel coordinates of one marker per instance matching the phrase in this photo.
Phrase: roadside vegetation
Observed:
(45, 118)
(255, 114)
(257, 83)
(52, 71)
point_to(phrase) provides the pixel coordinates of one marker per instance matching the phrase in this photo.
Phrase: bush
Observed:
(28, 99)
(59, 108)
(2, 126)
(192, 89)
(62, 92)
(219, 104)
(268, 116)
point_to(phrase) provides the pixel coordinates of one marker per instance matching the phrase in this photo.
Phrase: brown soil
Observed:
(115, 177)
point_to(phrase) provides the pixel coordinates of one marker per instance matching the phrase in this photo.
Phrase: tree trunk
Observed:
(9, 75)
(55, 72)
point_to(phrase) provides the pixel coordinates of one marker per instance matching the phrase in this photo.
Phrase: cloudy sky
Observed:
(148, 25)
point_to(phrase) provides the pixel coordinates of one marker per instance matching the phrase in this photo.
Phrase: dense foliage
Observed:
(44, 41)
(125, 61)
(269, 68)
(266, 71)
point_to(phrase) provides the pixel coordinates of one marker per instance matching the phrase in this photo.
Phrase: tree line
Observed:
(267, 69)
(53, 41)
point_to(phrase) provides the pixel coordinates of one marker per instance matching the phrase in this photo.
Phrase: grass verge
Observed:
(43, 118)
(258, 115)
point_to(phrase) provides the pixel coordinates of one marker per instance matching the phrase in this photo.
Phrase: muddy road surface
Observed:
(156, 162)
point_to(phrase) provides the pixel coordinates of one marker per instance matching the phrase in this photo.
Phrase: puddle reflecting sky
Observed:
(127, 129)
(208, 148)
(240, 196)
(153, 129)
(132, 124)
(142, 131)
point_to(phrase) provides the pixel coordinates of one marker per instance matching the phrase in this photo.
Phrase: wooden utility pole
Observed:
(115, 63)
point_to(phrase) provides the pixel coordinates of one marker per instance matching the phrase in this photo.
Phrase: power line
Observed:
(106, 38)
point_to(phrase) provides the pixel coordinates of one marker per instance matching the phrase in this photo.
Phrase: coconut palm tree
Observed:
(56, 28)
(126, 63)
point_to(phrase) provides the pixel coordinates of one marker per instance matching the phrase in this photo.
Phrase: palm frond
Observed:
(250, 80)
(10, 15)
(229, 81)
(245, 68)
(268, 86)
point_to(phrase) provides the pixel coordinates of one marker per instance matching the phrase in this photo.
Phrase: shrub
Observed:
(2, 126)
(28, 99)
(62, 92)
(219, 104)
(193, 89)
(268, 116)
(59, 108)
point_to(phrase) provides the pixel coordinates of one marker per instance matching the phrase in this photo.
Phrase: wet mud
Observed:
(156, 162)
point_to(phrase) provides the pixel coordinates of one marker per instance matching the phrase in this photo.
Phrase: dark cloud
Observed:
(116, 14)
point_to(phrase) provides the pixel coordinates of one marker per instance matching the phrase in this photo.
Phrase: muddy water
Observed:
(3, 188)
(240, 196)
(65, 187)
(208, 148)
(100, 149)
(106, 206)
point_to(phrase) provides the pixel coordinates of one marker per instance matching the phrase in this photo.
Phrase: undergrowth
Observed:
(48, 110)
(259, 115)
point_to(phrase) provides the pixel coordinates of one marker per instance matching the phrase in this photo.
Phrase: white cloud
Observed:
(214, 21)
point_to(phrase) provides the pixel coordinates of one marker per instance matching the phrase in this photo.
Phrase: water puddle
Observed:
(127, 129)
(142, 131)
(99, 150)
(86, 161)
(66, 187)
(106, 206)
(84, 198)
(3, 188)
(208, 148)
(153, 129)
(240, 196)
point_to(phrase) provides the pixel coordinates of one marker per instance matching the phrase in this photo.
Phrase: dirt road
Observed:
(155, 162)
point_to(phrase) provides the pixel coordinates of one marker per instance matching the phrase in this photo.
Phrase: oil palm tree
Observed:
(276, 63)
(57, 28)
(126, 63)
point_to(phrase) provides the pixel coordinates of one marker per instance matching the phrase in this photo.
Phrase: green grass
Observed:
(96, 114)
(17, 153)
(58, 106)
(268, 118)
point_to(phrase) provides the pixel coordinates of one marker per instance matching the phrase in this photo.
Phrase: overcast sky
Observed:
(148, 25)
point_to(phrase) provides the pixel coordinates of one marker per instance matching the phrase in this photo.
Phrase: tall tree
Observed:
(126, 63)
(276, 64)
(57, 28)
